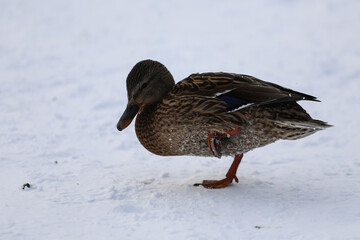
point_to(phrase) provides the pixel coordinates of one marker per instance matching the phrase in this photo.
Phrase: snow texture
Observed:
(63, 66)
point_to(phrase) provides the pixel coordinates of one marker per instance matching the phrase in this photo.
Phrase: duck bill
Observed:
(128, 115)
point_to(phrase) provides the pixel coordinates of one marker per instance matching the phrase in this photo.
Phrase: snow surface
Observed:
(63, 66)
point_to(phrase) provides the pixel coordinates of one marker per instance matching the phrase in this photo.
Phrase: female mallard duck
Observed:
(212, 114)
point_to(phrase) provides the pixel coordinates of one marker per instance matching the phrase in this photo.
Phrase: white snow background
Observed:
(63, 66)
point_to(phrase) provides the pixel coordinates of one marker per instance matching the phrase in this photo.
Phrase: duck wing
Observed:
(237, 90)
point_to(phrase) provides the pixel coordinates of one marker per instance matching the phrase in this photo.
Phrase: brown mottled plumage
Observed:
(212, 114)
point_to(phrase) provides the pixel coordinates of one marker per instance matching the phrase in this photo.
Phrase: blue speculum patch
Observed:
(233, 102)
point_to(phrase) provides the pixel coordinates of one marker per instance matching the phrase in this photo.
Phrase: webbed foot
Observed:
(230, 176)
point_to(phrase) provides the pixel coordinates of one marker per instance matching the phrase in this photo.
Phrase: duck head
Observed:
(147, 83)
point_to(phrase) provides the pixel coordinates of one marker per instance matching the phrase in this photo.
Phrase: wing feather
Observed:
(237, 90)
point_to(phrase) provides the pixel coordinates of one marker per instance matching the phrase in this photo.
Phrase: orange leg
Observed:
(214, 144)
(214, 139)
(230, 175)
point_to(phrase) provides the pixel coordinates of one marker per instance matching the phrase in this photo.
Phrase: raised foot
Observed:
(214, 140)
(217, 183)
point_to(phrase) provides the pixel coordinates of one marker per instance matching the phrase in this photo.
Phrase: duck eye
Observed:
(144, 85)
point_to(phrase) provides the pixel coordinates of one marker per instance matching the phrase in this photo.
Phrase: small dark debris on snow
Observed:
(26, 185)
(260, 227)
(56, 162)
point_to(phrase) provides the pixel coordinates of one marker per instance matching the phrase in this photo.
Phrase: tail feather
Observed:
(300, 129)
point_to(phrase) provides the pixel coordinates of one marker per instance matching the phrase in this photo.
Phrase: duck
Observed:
(212, 114)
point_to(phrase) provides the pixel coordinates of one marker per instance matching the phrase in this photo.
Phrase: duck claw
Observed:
(214, 184)
(214, 140)
(214, 144)
(230, 176)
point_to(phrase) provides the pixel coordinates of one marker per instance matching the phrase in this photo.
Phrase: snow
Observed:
(63, 66)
